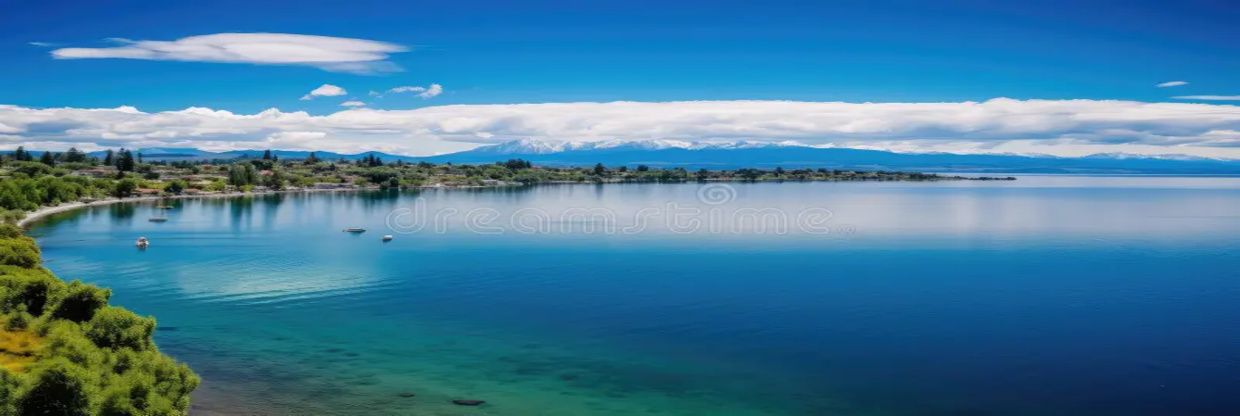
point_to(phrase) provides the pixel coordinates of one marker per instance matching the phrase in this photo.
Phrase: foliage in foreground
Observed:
(86, 358)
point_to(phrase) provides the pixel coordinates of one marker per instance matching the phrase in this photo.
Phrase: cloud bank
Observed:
(1209, 97)
(324, 52)
(1061, 127)
(1170, 84)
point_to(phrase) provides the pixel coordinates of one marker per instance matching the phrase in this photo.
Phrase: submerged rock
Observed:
(406, 394)
(468, 402)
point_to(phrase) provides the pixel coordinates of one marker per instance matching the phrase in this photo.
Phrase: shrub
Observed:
(92, 358)
(18, 320)
(80, 302)
(114, 327)
(59, 388)
(21, 252)
(10, 387)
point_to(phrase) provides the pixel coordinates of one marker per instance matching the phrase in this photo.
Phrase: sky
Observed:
(1051, 77)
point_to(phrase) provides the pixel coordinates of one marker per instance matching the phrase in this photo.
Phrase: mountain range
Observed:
(739, 154)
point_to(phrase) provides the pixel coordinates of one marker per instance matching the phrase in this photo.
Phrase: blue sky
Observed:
(515, 52)
(500, 52)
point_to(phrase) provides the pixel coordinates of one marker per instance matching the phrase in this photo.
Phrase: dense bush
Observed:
(31, 188)
(94, 359)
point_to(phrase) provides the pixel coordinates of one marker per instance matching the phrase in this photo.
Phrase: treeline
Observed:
(123, 160)
(28, 184)
(65, 351)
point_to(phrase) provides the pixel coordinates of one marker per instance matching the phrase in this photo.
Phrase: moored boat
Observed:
(355, 230)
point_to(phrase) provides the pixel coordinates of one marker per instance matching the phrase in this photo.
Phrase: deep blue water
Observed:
(1060, 295)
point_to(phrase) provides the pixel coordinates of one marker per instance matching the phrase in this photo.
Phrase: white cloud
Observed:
(1209, 97)
(324, 52)
(325, 90)
(41, 44)
(1169, 84)
(353, 103)
(425, 92)
(399, 90)
(432, 91)
(1062, 127)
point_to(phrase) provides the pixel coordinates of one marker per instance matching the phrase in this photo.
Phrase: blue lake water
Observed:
(1065, 295)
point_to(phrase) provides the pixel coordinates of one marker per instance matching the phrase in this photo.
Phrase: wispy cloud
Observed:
(325, 52)
(430, 91)
(353, 103)
(1208, 97)
(325, 90)
(1048, 126)
(41, 44)
(1169, 84)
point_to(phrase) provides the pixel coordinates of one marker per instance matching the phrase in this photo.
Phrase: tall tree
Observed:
(48, 158)
(267, 154)
(108, 159)
(22, 154)
(124, 161)
(73, 155)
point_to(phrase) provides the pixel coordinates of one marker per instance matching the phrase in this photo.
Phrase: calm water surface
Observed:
(1048, 295)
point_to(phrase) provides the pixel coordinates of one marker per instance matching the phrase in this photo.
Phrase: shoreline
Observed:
(43, 212)
(38, 214)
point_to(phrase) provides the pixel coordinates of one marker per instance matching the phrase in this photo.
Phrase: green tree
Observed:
(73, 155)
(125, 188)
(113, 327)
(599, 169)
(60, 388)
(22, 155)
(124, 161)
(80, 302)
(48, 159)
(176, 186)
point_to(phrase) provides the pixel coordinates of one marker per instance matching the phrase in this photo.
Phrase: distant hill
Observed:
(664, 153)
(674, 153)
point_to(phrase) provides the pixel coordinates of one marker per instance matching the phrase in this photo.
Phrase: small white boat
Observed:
(387, 238)
(142, 242)
(354, 230)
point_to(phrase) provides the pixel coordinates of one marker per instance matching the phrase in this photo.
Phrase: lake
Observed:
(1065, 295)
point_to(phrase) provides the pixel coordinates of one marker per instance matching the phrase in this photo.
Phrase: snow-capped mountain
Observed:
(538, 147)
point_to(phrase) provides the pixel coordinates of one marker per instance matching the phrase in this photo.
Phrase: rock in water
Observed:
(406, 394)
(468, 402)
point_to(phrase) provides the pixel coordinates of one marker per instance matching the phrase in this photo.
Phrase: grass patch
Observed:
(19, 349)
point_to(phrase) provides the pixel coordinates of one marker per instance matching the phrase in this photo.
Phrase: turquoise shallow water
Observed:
(1047, 295)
